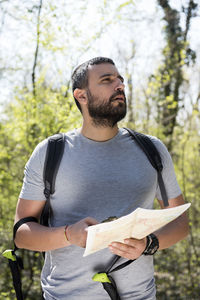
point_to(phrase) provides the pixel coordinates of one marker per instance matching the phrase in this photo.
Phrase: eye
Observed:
(121, 78)
(106, 79)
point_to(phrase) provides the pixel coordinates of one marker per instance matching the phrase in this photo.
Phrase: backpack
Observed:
(54, 153)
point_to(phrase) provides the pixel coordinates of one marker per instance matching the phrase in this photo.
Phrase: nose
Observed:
(120, 85)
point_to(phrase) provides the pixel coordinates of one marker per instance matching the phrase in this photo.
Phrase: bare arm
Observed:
(167, 235)
(34, 236)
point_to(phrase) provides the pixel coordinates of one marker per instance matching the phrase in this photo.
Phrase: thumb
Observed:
(91, 221)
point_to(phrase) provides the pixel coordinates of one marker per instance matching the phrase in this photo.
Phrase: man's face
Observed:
(106, 97)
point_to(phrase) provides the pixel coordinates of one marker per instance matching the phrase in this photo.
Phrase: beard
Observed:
(104, 113)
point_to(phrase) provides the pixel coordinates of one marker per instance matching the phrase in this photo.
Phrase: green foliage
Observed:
(165, 85)
(178, 268)
(28, 121)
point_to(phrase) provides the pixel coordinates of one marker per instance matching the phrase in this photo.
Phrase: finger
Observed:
(122, 248)
(122, 253)
(131, 242)
(138, 244)
(91, 221)
(125, 250)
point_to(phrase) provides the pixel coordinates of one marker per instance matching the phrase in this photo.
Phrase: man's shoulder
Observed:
(153, 138)
(67, 135)
(160, 146)
(158, 143)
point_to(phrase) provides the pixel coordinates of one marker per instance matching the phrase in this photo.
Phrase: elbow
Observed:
(20, 239)
(18, 242)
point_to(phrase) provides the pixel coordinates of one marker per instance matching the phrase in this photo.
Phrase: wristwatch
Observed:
(152, 245)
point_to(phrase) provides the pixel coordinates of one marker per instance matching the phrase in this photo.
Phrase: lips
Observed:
(119, 98)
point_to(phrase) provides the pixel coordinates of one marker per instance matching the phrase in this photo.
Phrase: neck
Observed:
(98, 133)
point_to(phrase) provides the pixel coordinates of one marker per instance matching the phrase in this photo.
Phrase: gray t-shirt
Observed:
(97, 179)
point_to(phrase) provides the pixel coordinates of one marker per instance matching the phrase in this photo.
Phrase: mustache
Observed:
(118, 93)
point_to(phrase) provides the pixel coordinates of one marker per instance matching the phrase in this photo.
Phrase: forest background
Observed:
(156, 46)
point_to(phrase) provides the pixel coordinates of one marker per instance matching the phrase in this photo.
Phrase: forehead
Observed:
(96, 71)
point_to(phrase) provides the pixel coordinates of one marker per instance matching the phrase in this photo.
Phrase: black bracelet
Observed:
(152, 245)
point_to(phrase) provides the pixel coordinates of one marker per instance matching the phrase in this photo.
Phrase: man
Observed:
(102, 173)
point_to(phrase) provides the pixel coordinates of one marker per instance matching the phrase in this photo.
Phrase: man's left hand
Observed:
(130, 249)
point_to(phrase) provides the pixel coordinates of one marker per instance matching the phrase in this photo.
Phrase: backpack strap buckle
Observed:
(101, 277)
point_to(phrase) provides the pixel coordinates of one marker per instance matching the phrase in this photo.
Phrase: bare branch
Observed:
(191, 6)
(37, 48)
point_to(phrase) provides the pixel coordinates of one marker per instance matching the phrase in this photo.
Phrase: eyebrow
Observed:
(110, 74)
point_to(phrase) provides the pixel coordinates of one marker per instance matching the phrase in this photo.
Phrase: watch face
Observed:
(152, 245)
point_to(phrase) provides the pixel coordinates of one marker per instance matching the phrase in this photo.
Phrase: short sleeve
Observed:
(172, 187)
(33, 185)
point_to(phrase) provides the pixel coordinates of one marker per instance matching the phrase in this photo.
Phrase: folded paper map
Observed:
(137, 224)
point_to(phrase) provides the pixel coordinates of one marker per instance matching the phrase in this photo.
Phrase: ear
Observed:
(81, 96)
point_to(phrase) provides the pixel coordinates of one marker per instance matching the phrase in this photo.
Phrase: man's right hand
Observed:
(77, 233)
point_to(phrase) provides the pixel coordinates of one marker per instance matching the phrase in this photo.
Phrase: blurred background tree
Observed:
(156, 47)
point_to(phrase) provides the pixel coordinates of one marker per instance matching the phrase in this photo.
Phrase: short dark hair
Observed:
(80, 74)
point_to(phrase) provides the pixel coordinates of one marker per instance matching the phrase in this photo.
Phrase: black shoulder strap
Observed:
(54, 153)
(153, 155)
